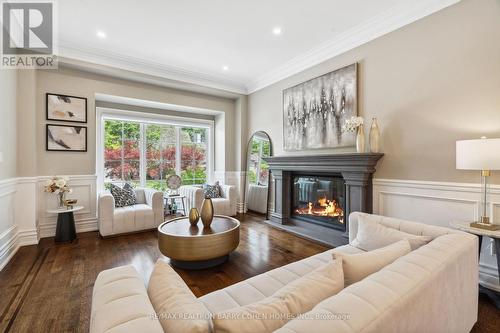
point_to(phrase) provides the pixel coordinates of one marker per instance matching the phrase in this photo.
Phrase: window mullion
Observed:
(123, 155)
(142, 156)
(178, 150)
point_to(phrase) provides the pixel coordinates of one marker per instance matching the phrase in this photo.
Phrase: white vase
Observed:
(360, 139)
(374, 137)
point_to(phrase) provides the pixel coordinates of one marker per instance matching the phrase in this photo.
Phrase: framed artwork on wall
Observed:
(66, 108)
(66, 138)
(314, 111)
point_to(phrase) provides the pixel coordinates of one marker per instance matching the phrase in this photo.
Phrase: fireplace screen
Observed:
(319, 199)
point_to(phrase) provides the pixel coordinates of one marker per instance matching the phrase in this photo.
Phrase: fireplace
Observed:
(314, 194)
(319, 199)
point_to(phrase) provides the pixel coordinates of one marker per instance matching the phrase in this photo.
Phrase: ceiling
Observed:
(192, 40)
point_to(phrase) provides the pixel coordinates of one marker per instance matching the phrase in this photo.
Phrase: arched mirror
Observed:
(258, 178)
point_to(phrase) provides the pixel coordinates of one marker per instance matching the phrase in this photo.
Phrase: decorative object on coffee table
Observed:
(194, 216)
(58, 185)
(207, 212)
(355, 125)
(374, 137)
(198, 248)
(482, 155)
(65, 230)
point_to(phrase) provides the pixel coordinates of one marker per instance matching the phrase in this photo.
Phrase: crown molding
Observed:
(404, 13)
(396, 17)
(69, 50)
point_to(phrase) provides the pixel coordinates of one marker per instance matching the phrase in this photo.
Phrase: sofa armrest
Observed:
(154, 199)
(106, 211)
(194, 197)
(229, 192)
(120, 303)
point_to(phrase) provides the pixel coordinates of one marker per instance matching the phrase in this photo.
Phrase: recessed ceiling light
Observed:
(101, 34)
(277, 30)
(225, 68)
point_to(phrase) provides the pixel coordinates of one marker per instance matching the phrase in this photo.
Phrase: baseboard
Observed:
(82, 225)
(11, 240)
(9, 246)
(27, 237)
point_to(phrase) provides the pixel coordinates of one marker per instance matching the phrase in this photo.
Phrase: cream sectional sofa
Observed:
(431, 289)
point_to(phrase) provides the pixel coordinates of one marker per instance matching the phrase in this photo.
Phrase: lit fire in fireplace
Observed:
(323, 207)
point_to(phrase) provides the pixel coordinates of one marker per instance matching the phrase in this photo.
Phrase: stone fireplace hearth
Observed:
(314, 194)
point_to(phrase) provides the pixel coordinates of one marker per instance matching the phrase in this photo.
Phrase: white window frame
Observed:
(103, 114)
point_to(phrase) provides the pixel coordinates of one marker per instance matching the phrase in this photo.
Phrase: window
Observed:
(161, 143)
(193, 155)
(121, 151)
(258, 171)
(146, 151)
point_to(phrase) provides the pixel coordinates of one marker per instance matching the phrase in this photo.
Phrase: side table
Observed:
(65, 230)
(493, 234)
(172, 199)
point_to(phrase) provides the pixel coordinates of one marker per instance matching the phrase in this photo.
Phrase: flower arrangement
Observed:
(60, 186)
(351, 125)
(57, 185)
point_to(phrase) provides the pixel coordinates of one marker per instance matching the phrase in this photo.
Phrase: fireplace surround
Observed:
(298, 176)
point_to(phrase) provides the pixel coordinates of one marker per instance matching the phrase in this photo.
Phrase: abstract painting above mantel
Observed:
(314, 111)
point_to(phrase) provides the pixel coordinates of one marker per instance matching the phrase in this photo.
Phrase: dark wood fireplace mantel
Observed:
(356, 168)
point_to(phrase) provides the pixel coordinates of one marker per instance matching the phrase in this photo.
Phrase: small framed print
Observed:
(66, 108)
(66, 138)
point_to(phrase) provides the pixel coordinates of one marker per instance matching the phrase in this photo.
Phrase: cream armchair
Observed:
(226, 205)
(146, 214)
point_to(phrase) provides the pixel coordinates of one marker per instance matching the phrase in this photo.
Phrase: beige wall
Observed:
(79, 83)
(8, 105)
(429, 84)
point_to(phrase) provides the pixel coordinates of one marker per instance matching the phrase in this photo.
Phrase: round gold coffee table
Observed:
(198, 247)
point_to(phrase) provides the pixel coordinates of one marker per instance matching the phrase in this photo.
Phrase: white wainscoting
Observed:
(439, 203)
(23, 211)
(14, 232)
(84, 189)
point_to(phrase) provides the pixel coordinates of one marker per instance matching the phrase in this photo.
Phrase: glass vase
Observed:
(60, 199)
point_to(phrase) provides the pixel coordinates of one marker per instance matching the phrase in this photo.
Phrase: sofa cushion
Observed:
(176, 306)
(212, 191)
(360, 265)
(295, 298)
(373, 235)
(261, 286)
(124, 196)
(120, 303)
(133, 218)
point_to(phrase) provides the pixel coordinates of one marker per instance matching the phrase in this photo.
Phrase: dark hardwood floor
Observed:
(48, 287)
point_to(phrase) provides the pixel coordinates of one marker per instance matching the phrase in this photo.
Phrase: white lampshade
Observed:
(480, 154)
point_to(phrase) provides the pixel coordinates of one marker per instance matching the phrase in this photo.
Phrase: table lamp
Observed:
(482, 155)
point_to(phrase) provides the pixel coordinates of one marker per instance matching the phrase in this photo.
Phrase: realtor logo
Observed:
(28, 35)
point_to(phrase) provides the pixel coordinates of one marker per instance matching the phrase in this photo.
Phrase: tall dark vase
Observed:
(207, 212)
